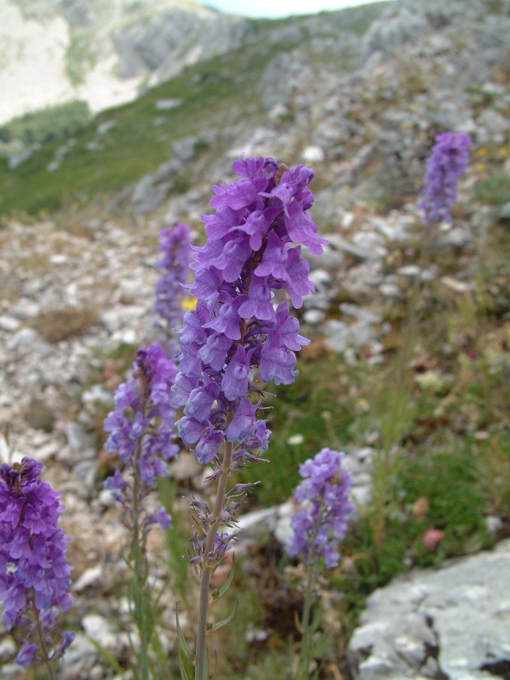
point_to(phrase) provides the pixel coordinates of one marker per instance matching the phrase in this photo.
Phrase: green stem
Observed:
(42, 644)
(397, 397)
(138, 574)
(205, 577)
(304, 659)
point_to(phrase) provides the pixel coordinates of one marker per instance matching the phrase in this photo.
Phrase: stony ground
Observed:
(79, 301)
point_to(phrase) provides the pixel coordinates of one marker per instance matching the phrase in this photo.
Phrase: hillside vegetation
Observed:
(120, 145)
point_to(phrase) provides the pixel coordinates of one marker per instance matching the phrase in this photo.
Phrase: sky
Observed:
(281, 8)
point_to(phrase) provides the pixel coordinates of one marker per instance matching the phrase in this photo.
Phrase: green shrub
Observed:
(47, 125)
(39, 416)
(494, 190)
(79, 59)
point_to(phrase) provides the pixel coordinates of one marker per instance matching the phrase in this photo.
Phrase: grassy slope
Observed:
(210, 92)
(136, 146)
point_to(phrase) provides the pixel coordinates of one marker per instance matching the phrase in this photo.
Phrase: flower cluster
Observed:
(175, 244)
(141, 426)
(34, 573)
(445, 165)
(235, 329)
(319, 526)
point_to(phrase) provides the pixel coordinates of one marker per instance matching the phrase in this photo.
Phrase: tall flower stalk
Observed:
(142, 432)
(34, 573)
(236, 334)
(446, 164)
(317, 529)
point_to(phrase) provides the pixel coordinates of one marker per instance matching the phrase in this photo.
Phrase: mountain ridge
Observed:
(107, 53)
(103, 53)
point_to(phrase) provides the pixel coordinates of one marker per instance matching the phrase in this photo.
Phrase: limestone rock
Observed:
(452, 622)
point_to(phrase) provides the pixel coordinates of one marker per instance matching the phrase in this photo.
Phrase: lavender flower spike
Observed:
(445, 165)
(235, 331)
(321, 524)
(34, 574)
(141, 428)
(175, 245)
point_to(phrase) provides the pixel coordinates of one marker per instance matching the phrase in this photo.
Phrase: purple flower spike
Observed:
(175, 244)
(445, 165)
(34, 573)
(321, 524)
(236, 333)
(141, 426)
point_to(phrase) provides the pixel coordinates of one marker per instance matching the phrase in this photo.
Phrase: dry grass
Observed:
(60, 324)
(39, 416)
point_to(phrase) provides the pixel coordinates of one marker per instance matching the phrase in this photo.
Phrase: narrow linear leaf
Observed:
(297, 622)
(161, 591)
(321, 645)
(107, 656)
(228, 582)
(134, 669)
(158, 649)
(183, 645)
(215, 664)
(185, 666)
(220, 624)
(135, 655)
(317, 614)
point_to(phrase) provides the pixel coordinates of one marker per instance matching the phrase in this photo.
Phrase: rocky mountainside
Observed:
(359, 96)
(53, 51)
(106, 53)
(213, 99)
(365, 94)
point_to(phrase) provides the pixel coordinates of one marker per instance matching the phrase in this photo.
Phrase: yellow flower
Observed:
(189, 303)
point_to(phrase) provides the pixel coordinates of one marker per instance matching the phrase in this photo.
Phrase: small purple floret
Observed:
(445, 165)
(160, 517)
(321, 523)
(26, 654)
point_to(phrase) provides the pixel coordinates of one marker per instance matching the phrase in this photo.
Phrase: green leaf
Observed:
(158, 650)
(215, 664)
(321, 645)
(185, 662)
(228, 582)
(297, 622)
(185, 666)
(183, 645)
(316, 619)
(220, 624)
(107, 656)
